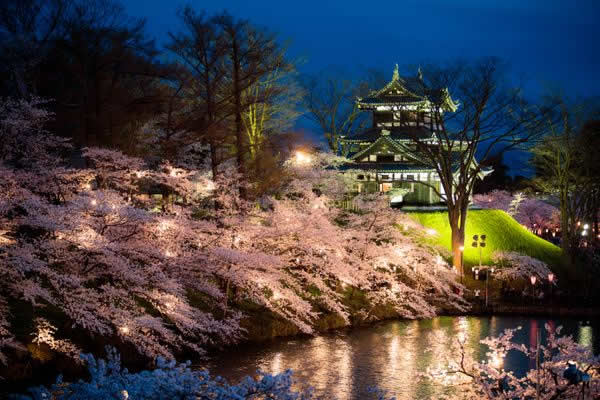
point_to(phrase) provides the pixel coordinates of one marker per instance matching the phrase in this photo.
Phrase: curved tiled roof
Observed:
(407, 90)
(395, 133)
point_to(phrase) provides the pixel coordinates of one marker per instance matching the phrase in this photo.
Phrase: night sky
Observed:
(546, 42)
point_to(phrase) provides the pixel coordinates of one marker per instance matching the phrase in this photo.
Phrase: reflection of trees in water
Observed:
(392, 356)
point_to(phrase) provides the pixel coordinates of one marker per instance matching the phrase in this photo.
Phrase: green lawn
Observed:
(503, 233)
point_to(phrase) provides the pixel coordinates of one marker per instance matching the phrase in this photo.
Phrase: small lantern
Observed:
(533, 279)
(550, 277)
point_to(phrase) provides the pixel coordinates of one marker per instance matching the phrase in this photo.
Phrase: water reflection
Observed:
(390, 355)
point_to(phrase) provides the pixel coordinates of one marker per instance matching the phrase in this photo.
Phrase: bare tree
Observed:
(27, 28)
(252, 55)
(272, 107)
(491, 118)
(330, 102)
(201, 90)
(566, 165)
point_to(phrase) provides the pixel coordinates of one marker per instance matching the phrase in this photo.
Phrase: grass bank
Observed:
(502, 231)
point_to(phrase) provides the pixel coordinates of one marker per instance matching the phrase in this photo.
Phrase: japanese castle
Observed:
(384, 158)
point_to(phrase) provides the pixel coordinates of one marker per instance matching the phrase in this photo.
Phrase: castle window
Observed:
(385, 177)
(373, 157)
(397, 157)
(410, 177)
(360, 177)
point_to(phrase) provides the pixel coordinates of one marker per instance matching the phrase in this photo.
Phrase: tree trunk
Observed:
(566, 226)
(239, 129)
(214, 162)
(237, 95)
(458, 239)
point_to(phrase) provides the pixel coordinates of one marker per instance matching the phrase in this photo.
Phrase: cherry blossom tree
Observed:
(496, 199)
(515, 266)
(561, 362)
(92, 256)
(535, 214)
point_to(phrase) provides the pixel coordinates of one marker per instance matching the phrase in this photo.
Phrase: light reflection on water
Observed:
(389, 355)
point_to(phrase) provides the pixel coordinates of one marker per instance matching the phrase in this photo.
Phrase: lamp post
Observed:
(551, 281)
(533, 279)
(479, 241)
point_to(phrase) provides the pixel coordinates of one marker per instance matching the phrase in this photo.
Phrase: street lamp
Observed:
(533, 278)
(551, 280)
(479, 241)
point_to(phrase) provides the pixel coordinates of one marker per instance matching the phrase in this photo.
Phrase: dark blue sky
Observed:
(546, 42)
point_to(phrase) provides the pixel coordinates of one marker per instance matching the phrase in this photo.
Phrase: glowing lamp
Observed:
(550, 277)
(496, 360)
(586, 226)
(93, 202)
(124, 330)
(462, 248)
(533, 279)
(302, 158)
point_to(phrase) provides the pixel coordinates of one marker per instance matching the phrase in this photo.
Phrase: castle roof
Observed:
(398, 133)
(407, 91)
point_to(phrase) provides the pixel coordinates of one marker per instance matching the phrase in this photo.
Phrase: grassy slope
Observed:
(503, 233)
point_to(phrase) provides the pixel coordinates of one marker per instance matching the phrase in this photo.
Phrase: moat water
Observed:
(389, 355)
